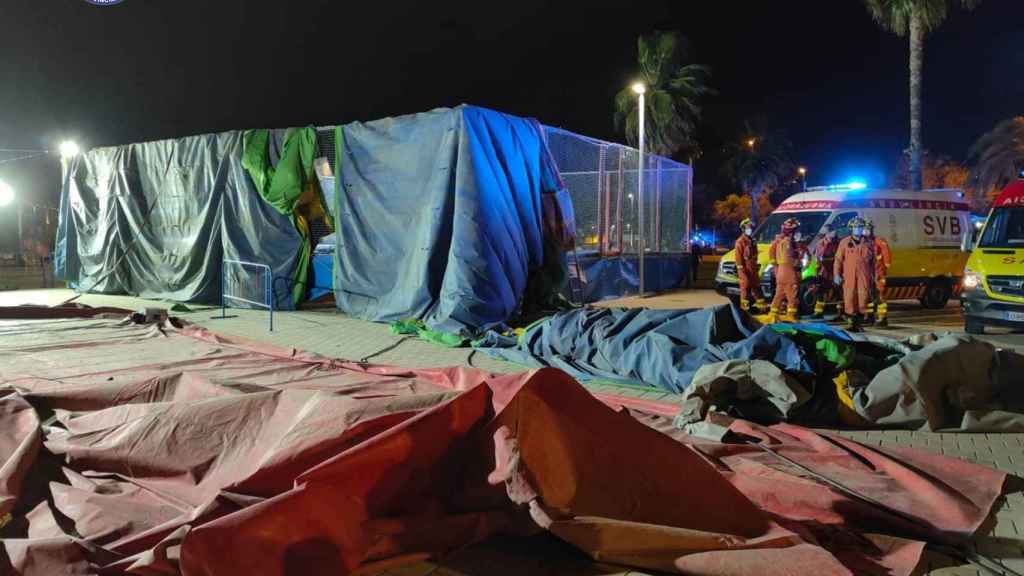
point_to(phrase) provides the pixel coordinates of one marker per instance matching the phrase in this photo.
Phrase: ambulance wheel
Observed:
(936, 294)
(973, 327)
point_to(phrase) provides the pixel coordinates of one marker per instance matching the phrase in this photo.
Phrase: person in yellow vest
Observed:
(748, 270)
(878, 308)
(784, 255)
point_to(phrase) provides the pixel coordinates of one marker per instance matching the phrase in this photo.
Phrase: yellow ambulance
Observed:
(925, 231)
(993, 285)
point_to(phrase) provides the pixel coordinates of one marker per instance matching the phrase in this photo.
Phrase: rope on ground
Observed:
(962, 552)
(386, 349)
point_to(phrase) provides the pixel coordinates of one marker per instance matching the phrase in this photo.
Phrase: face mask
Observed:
(748, 231)
(798, 236)
(858, 232)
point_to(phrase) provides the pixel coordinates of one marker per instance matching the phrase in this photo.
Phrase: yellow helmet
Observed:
(856, 222)
(790, 225)
(746, 222)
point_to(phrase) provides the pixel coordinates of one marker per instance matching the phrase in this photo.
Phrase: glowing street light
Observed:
(751, 143)
(803, 177)
(6, 194)
(69, 149)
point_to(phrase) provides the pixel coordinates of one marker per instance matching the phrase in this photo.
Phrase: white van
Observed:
(925, 231)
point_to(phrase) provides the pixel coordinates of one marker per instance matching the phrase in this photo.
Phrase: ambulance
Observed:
(925, 230)
(993, 284)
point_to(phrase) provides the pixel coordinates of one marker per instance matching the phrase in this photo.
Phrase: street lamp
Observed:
(69, 149)
(6, 194)
(640, 90)
(803, 177)
(751, 142)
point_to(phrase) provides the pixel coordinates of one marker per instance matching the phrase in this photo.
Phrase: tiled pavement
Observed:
(329, 333)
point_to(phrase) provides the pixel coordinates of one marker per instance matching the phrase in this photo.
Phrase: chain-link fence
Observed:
(603, 177)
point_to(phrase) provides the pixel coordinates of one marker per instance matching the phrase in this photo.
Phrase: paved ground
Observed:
(333, 334)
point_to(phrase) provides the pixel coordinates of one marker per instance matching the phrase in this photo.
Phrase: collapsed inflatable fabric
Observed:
(167, 449)
(804, 373)
(661, 348)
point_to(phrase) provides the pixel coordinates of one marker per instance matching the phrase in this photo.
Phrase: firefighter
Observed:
(747, 268)
(825, 257)
(878, 308)
(854, 271)
(785, 258)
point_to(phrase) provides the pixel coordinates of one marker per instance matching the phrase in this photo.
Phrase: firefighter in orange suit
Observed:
(879, 307)
(785, 258)
(825, 257)
(855, 273)
(747, 268)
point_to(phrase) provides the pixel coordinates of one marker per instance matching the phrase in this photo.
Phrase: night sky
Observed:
(819, 69)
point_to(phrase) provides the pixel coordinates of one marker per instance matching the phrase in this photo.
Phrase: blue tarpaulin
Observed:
(321, 272)
(440, 217)
(158, 219)
(661, 348)
(606, 277)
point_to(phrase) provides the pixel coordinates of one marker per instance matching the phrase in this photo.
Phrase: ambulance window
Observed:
(810, 223)
(840, 222)
(1005, 229)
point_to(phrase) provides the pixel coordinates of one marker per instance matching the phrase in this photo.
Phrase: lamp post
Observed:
(803, 178)
(640, 90)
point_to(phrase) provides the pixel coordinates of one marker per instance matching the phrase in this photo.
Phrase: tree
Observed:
(734, 208)
(915, 18)
(936, 172)
(997, 158)
(759, 161)
(674, 89)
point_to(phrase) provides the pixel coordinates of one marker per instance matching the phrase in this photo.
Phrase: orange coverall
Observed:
(855, 264)
(747, 270)
(785, 257)
(883, 260)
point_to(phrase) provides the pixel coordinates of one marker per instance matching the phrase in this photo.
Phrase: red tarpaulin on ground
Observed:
(173, 450)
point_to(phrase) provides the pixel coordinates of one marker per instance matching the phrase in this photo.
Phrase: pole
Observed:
(21, 237)
(640, 196)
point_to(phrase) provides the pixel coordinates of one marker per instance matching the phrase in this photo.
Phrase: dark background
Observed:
(820, 70)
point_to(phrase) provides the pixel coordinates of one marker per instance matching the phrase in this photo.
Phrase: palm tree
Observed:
(760, 160)
(916, 18)
(997, 158)
(674, 89)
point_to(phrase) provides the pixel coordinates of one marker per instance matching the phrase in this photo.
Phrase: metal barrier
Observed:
(267, 289)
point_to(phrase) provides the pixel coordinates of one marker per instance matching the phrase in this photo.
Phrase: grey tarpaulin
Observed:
(441, 217)
(157, 219)
(951, 382)
(756, 389)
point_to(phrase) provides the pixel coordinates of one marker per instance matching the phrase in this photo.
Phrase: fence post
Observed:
(270, 296)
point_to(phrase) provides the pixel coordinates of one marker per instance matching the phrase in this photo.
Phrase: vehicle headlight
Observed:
(971, 279)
